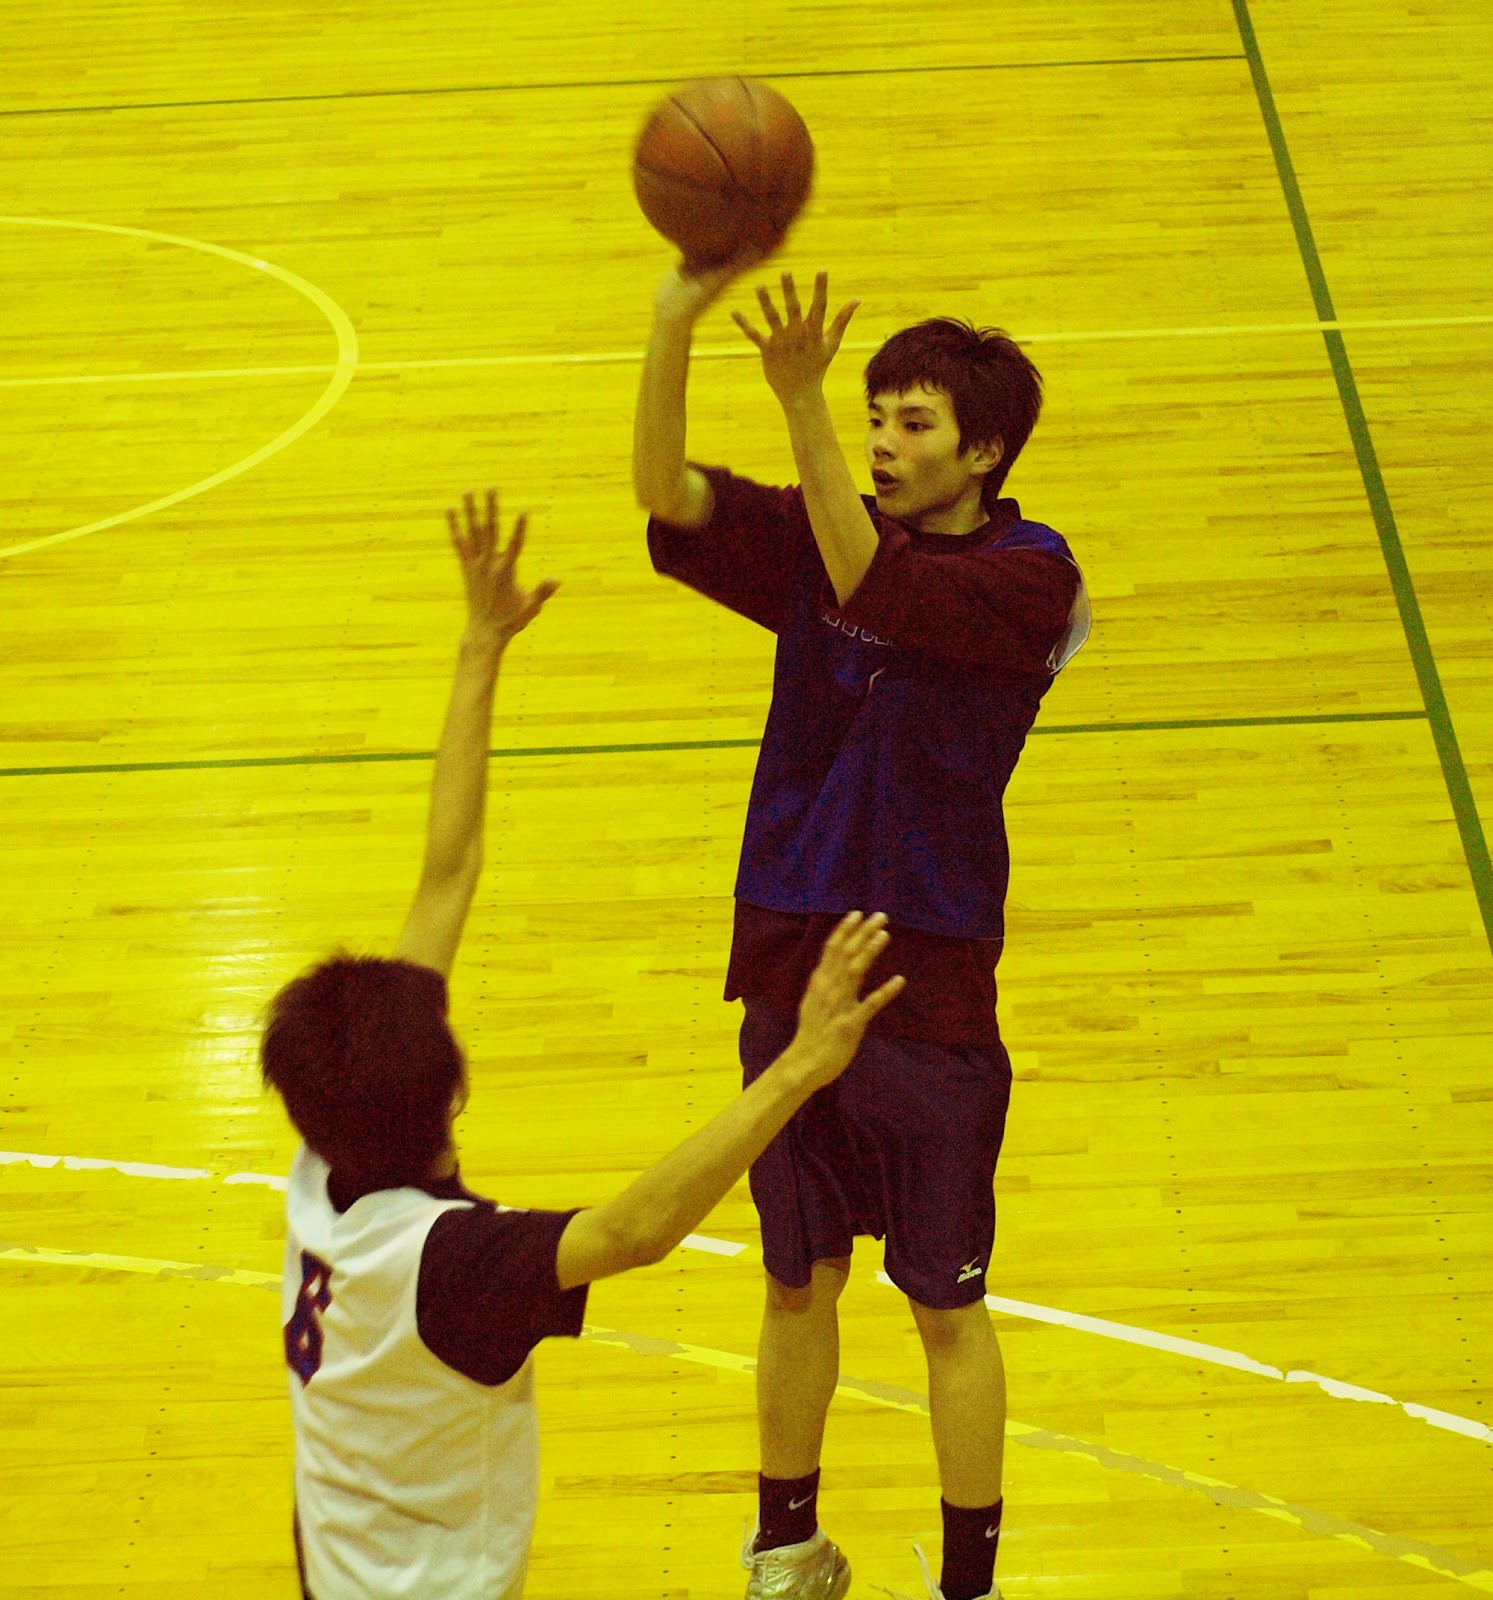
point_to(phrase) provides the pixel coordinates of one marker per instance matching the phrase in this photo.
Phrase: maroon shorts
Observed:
(903, 1147)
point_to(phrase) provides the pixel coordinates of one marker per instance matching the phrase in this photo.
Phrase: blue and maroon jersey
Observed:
(896, 722)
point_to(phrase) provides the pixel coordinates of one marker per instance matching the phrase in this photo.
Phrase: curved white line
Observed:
(342, 374)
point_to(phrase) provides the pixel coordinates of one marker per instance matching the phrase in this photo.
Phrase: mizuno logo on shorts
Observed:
(973, 1270)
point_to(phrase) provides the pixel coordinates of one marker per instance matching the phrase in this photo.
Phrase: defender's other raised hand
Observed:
(497, 608)
(797, 349)
(832, 1017)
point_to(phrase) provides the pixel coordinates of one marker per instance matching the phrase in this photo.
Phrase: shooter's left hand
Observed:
(797, 349)
(497, 608)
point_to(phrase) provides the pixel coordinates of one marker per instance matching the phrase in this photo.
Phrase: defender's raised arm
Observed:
(497, 610)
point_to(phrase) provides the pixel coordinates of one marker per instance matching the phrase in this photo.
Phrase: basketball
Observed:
(722, 166)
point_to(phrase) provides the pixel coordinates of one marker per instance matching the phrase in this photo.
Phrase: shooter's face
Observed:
(912, 447)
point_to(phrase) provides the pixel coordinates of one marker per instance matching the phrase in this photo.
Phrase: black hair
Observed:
(995, 389)
(362, 1055)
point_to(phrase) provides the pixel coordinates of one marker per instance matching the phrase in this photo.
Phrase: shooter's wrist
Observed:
(675, 319)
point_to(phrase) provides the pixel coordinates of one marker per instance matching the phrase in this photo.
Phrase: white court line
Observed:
(341, 374)
(267, 1180)
(320, 370)
(99, 1262)
(716, 1247)
(1214, 1355)
(131, 1169)
(730, 351)
(1426, 1557)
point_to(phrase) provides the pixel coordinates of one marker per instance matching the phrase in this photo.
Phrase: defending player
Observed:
(412, 1306)
(917, 632)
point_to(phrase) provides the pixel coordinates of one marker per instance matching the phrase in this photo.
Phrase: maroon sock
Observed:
(969, 1544)
(789, 1510)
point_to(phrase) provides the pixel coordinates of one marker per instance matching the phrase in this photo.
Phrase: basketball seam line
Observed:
(686, 183)
(720, 154)
(709, 188)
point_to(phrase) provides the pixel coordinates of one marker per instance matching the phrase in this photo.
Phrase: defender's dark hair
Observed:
(360, 1052)
(995, 390)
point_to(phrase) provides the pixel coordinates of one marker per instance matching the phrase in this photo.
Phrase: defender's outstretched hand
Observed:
(496, 606)
(797, 349)
(832, 1017)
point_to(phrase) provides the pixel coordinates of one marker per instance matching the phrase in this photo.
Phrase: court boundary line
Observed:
(744, 351)
(1412, 622)
(1218, 1356)
(343, 372)
(788, 75)
(500, 753)
(1427, 1557)
(1101, 1327)
(1436, 711)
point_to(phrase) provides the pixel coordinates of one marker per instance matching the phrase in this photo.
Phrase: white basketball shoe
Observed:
(813, 1570)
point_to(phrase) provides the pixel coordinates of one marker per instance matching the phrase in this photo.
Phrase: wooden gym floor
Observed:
(281, 283)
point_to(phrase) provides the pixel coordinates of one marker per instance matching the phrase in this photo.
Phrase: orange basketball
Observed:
(723, 165)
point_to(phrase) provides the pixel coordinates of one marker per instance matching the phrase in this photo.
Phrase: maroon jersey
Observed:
(896, 721)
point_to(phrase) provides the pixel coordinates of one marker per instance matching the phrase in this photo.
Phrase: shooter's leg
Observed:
(798, 1365)
(967, 1401)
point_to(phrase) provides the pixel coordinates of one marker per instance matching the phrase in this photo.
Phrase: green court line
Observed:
(1235, 722)
(1454, 769)
(607, 83)
(364, 756)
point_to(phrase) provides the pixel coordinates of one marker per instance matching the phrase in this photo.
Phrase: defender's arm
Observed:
(497, 610)
(458, 793)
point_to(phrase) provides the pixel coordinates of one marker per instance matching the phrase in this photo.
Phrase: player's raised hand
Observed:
(832, 1016)
(497, 608)
(797, 348)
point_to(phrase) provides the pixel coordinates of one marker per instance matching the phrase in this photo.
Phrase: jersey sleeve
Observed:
(745, 557)
(997, 608)
(488, 1291)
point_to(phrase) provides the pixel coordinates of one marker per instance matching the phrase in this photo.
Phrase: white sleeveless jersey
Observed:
(412, 1481)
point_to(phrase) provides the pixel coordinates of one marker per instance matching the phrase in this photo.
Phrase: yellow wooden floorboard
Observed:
(1247, 985)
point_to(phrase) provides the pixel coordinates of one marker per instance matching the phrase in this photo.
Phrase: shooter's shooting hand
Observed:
(686, 293)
